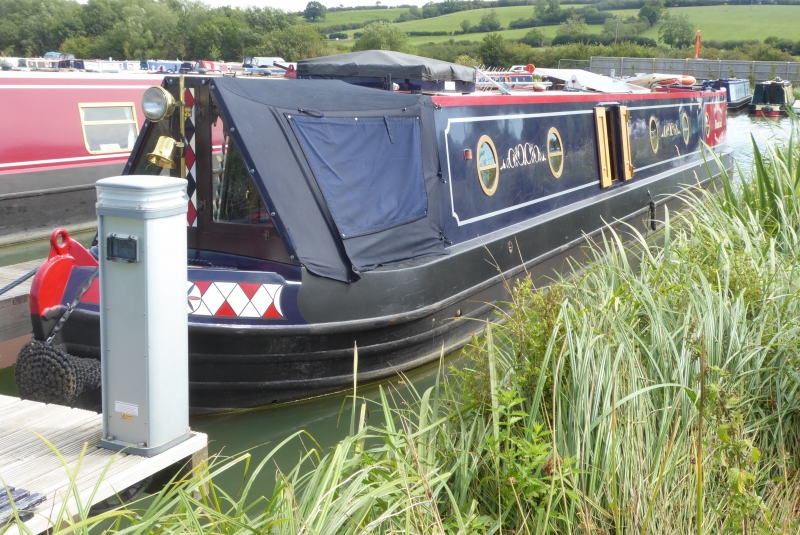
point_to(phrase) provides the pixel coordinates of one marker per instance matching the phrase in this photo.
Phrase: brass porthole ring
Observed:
(488, 166)
(685, 128)
(555, 152)
(707, 125)
(654, 139)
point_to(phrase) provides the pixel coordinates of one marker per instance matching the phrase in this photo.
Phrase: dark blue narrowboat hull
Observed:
(263, 331)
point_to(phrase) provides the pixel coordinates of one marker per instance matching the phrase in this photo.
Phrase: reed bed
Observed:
(655, 391)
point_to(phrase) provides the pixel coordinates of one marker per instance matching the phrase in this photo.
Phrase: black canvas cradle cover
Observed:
(350, 172)
(379, 63)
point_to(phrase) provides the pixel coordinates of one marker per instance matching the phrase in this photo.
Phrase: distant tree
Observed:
(466, 25)
(383, 36)
(293, 43)
(650, 13)
(490, 22)
(534, 38)
(314, 11)
(467, 61)
(493, 51)
(676, 30)
(430, 10)
(575, 25)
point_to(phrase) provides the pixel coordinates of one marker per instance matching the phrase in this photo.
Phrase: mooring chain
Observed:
(82, 290)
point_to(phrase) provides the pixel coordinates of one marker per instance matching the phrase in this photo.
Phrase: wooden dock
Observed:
(27, 462)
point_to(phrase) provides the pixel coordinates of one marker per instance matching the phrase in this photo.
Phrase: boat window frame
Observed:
(134, 120)
(551, 155)
(655, 141)
(687, 131)
(489, 191)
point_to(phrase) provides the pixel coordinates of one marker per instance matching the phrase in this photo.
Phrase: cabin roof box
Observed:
(372, 68)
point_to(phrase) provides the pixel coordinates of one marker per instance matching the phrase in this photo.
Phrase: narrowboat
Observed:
(772, 98)
(737, 90)
(64, 131)
(334, 214)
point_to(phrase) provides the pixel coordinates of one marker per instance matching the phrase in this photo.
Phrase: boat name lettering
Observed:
(671, 129)
(717, 124)
(523, 154)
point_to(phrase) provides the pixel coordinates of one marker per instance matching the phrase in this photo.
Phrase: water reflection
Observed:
(741, 125)
(327, 419)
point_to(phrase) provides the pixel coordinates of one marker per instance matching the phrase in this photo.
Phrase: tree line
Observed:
(149, 29)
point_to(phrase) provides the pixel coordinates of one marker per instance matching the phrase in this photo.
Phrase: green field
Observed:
(741, 22)
(360, 15)
(715, 22)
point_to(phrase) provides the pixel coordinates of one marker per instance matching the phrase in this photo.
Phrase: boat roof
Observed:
(578, 79)
(379, 63)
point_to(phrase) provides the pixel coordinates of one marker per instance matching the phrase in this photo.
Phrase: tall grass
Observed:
(657, 391)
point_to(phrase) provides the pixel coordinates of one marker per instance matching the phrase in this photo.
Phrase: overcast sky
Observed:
(299, 5)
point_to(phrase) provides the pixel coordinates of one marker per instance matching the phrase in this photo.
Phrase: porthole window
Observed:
(654, 134)
(555, 152)
(685, 130)
(708, 126)
(488, 167)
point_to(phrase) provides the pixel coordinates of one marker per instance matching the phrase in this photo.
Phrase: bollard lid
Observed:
(141, 196)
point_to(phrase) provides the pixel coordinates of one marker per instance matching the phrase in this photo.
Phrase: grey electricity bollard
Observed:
(143, 317)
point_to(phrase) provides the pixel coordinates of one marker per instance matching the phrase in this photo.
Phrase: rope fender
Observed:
(46, 373)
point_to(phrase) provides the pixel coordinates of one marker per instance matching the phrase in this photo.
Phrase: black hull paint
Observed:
(235, 366)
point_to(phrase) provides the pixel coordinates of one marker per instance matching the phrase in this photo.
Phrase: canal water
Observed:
(327, 418)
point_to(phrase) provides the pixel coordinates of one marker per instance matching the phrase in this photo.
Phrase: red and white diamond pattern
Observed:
(191, 214)
(234, 299)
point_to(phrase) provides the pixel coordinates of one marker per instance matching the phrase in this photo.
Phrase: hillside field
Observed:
(359, 15)
(715, 22)
(741, 22)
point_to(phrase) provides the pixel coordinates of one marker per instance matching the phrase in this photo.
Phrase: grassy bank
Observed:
(655, 392)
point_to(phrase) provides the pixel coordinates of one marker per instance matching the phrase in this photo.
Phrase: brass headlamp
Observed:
(157, 104)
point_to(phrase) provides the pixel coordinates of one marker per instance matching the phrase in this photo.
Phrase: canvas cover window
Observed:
(368, 168)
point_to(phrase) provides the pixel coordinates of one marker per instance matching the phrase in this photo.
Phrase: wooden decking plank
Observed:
(33, 466)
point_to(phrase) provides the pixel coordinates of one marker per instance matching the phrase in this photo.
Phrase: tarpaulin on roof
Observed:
(301, 186)
(379, 63)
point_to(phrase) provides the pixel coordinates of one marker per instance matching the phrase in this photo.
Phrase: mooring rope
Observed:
(19, 281)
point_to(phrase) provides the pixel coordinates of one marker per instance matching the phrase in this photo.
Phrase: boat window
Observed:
(685, 129)
(555, 152)
(109, 127)
(707, 127)
(236, 198)
(143, 166)
(488, 168)
(654, 134)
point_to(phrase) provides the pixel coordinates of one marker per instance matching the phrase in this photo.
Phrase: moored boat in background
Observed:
(772, 98)
(334, 214)
(738, 91)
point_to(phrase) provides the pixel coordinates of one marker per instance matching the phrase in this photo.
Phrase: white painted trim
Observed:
(67, 160)
(534, 201)
(689, 105)
(497, 118)
(142, 86)
(516, 116)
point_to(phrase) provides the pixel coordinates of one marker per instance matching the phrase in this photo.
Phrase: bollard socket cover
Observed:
(141, 196)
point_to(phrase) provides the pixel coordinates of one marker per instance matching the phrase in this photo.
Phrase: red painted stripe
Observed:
(483, 99)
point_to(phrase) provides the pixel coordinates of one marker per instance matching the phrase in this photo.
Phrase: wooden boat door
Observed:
(613, 143)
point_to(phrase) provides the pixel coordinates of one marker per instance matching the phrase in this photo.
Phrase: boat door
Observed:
(613, 143)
